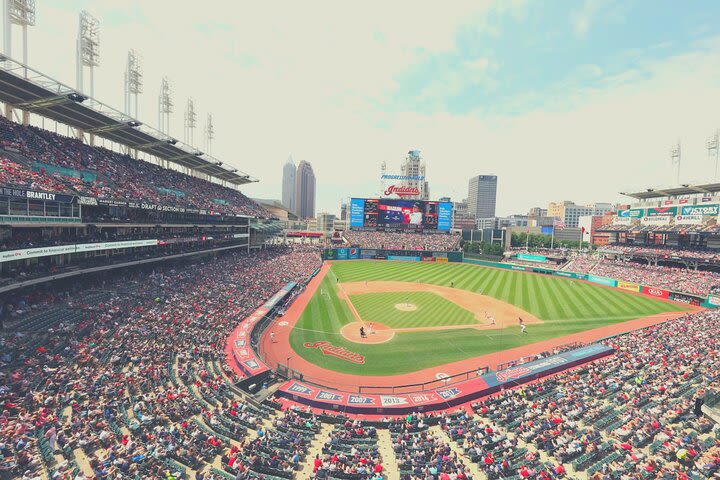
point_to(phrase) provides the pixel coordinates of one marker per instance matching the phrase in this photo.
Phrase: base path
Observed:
(279, 351)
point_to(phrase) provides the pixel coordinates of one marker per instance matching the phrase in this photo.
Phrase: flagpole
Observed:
(552, 237)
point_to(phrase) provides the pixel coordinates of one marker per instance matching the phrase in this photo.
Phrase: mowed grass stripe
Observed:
(565, 306)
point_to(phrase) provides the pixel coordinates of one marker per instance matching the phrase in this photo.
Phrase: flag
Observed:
(558, 223)
(583, 231)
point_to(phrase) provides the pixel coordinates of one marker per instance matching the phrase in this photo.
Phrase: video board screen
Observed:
(388, 213)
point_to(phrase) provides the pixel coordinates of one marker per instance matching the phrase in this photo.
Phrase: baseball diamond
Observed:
(479, 315)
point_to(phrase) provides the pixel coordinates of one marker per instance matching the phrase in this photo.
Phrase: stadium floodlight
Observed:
(21, 13)
(675, 158)
(165, 107)
(133, 82)
(88, 49)
(209, 134)
(190, 121)
(712, 145)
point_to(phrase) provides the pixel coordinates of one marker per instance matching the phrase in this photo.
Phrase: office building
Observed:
(304, 191)
(482, 195)
(570, 213)
(288, 184)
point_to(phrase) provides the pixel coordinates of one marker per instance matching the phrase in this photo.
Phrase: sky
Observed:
(563, 100)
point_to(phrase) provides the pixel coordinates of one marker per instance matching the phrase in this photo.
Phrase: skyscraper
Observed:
(304, 190)
(288, 184)
(414, 168)
(482, 193)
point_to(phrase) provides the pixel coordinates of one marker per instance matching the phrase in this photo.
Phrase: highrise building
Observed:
(305, 190)
(414, 169)
(288, 184)
(570, 213)
(482, 194)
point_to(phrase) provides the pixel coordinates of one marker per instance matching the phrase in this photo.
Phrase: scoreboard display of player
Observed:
(387, 213)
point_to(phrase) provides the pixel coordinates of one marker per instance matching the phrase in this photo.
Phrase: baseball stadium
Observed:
(165, 315)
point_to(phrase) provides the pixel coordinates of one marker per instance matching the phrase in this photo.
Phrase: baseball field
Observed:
(420, 315)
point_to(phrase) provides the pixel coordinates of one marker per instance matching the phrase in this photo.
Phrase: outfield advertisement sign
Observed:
(622, 220)
(403, 258)
(531, 258)
(684, 298)
(707, 210)
(441, 396)
(655, 292)
(602, 280)
(629, 286)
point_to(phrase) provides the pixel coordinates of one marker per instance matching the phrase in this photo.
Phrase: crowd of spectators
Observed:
(134, 381)
(664, 251)
(101, 173)
(696, 282)
(634, 414)
(128, 380)
(402, 240)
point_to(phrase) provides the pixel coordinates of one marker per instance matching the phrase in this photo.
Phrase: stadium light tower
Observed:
(209, 134)
(165, 106)
(675, 158)
(190, 121)
(712, 145)
(88, 49)
(133, 82)
(22, 13)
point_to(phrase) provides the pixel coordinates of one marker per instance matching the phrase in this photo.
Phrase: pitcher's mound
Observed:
(380, 333)
(406, 307)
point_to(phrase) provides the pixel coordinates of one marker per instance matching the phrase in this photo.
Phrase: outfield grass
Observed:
(565, 306)
(432, 310)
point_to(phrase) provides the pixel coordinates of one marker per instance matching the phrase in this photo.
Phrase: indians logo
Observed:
(343, 353)
(512, 373)
(402, 191)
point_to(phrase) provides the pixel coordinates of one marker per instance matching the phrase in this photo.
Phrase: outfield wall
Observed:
(648, 290)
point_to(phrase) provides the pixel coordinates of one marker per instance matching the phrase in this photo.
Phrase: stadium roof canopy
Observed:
(674, 191)
(27, 89)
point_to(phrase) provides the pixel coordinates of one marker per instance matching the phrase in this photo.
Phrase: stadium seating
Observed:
(129, 379)
(51, 162)
(402, 241)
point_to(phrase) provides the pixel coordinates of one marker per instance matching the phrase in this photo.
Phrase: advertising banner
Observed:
(354, 253)
(323, 397)
(441, 260)
(357, 211)
(444, 216)
(11, 255)
(655, 292)
(633, 213)
(689, 220)
(403, 258)
(629, 286)
(429, 259)
(707, 210)
(531, 258)
(602, 280)
(662, 212)
(656, 220)
(713, 300)
(622, 220)
(343, 253)
(35, 195)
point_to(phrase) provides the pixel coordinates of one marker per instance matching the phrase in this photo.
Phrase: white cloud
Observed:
(312, 81)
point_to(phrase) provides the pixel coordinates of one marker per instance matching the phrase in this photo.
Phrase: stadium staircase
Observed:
(390, 465)
(472, 466)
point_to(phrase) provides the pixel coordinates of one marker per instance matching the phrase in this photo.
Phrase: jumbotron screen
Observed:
(389, 213)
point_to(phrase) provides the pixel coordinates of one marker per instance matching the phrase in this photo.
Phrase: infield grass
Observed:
(565, 307)
(432, 310)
